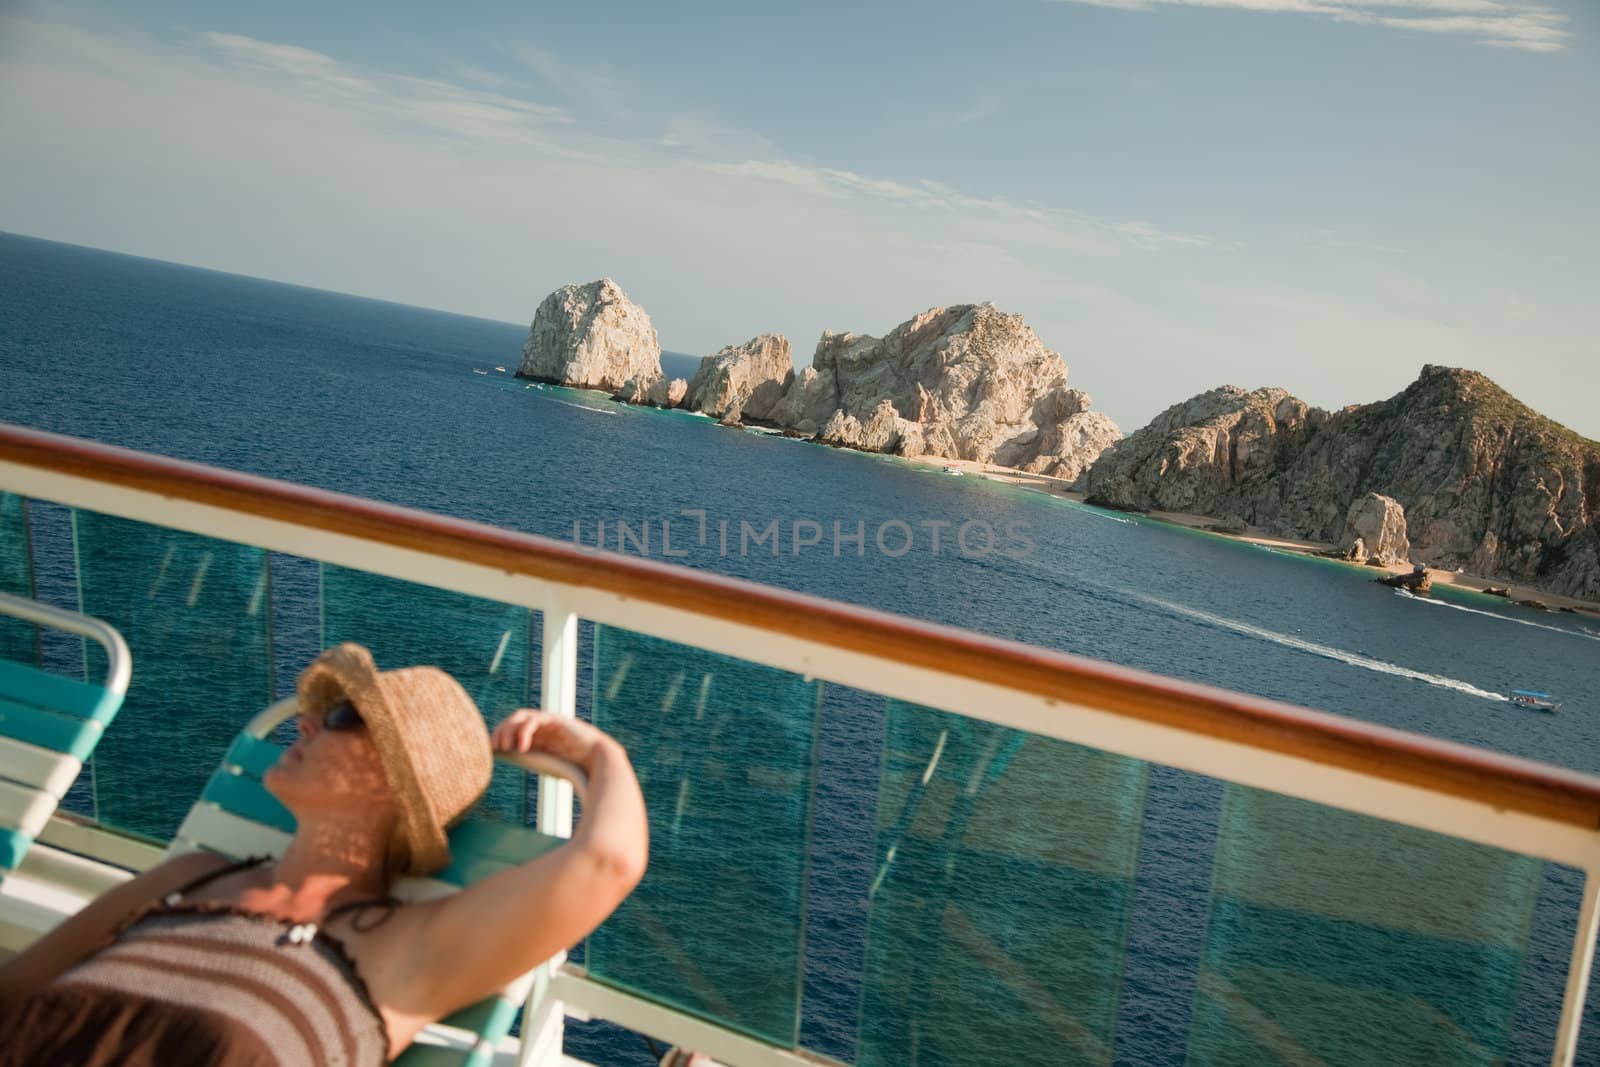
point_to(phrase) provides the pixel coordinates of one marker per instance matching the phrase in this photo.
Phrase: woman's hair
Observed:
(397, 856)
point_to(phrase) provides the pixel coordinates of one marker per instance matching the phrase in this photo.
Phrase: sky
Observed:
(1322, 195)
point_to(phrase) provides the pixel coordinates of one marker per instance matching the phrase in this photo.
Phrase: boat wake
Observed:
(1102, 515)
(1352, 659)
(1583, 632)
(585, 407)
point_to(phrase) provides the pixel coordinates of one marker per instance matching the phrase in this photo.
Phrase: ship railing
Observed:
(1372, 894)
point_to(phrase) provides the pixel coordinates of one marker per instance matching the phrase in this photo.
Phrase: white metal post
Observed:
(1578, 972)
(558, 693)
(543, 1016)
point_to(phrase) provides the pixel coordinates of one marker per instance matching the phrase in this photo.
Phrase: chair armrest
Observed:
(119, 662)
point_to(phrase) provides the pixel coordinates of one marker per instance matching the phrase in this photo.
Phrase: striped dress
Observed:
(204, 985)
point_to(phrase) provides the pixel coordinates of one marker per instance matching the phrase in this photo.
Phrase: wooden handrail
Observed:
(1504, 781)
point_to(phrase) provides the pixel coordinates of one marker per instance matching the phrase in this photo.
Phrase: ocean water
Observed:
(403, 404)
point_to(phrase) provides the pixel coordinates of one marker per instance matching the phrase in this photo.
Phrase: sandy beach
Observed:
(1469, 582)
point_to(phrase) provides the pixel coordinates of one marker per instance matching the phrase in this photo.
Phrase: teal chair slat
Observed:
(13, 843)
(469, 865)
(497, 840)
(496, 1013)
(434, 1056)
(253, 755)
(247, 798)
(30, 685)
(431, 1056)
(490, 1019)
(49, 729)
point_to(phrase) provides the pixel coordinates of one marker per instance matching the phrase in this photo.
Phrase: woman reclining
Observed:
(307, 959)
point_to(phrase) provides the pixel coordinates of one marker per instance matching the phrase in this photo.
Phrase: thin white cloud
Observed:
(302, 63)
(1027, 224)
(440, 106)
(1528, 25)
(589, 86)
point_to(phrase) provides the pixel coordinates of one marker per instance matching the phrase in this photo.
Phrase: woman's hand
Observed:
(528, 730)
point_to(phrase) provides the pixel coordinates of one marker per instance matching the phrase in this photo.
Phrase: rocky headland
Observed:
(1476, 480)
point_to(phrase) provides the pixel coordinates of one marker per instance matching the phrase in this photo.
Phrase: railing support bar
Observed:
(558, 693)
(1578, 972)
(543, 1016)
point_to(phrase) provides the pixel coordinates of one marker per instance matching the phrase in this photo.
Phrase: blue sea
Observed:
(404, 404)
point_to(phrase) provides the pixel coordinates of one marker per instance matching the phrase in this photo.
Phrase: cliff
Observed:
(1213, 454)
(750, 376)
(1486, 483)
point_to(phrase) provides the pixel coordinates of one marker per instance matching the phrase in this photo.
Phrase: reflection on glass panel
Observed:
(725, 752)
(19, 641)
(194, 611)
(998, 915)
(1342, 939)
(483, 643)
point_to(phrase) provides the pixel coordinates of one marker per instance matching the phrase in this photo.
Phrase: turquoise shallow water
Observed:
(382, 400)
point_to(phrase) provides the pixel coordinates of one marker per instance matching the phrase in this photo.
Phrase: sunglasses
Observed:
(342, 716)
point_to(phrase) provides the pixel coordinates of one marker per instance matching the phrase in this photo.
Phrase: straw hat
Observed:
(430, 737)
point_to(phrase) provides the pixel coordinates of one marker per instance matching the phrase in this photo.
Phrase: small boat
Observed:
(1528, 698)
(502, 370)
(475, 370)
(953, 470)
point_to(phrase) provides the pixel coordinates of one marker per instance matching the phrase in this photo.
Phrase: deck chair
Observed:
(236, 817)
(49, 724)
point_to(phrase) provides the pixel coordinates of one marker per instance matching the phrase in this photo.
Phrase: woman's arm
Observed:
(79, 934)
(473, 943)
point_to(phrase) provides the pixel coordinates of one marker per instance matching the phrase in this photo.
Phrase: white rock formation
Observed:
(1069, 439)
(880, 433)
(591, 337)
(653, 392)
(747, 379)
(965, 382)
(1375, 530)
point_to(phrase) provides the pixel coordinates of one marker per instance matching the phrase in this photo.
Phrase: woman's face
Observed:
(327, 764)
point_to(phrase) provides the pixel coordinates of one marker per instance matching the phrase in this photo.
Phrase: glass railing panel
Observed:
(484, 644)
(1337, 938)
(998, 914)
(195, 613)
(725, 751)
(19, 641)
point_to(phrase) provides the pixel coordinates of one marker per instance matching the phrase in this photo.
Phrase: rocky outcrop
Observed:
(1486, 484)
(965, 382)
(1206, 455)
(748, 378)
(1416, 580)
(1069, 439)
(655, 392)
(1375, 531)
(880, 433)
(665, 394)
(591, 337)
